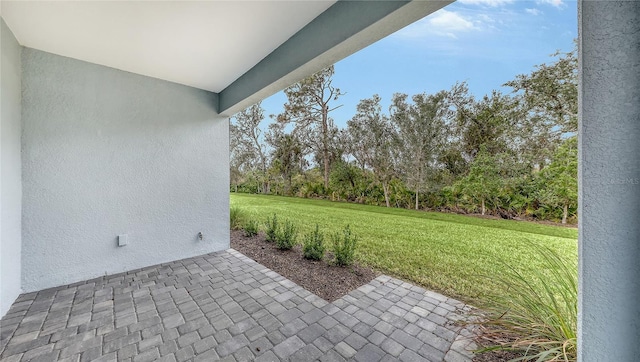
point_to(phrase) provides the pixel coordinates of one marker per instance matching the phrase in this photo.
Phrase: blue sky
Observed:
(483, 42)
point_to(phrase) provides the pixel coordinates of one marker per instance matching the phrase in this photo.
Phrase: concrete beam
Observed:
(340, 31)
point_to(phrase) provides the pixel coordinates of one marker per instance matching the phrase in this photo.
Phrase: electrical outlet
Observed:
(123, 240)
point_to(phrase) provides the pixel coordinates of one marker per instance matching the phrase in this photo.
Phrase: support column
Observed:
(609, 181)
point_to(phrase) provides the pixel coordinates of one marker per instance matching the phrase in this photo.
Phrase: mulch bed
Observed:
(327, 281)
(496, 356)
(484, 341)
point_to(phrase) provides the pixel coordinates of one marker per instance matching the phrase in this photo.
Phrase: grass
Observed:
(237, 217)
(459, 256)
(540, 315)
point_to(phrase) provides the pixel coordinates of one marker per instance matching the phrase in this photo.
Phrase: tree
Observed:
(501, 151)
(559, 186)
(533, 140)
(331, 145)
(236, 160)
(483, 181)
(550, 92)
(356, 147)
(347, 179)
(421, 135)
(373, 137)
(235, 176)
(287, 155)
(247, 142)
(485, 122)
(308, 106)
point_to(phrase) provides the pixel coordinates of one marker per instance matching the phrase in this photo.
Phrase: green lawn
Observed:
(456, 255)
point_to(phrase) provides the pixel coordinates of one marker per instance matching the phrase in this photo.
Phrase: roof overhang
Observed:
(340, 31)
(244, 51)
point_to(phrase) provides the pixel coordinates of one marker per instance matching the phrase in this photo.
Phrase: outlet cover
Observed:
(123, 240)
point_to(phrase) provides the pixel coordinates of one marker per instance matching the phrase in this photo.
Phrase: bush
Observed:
(344, 247)
(541, 312)
(272, 228)
(237, 217)
(251, 228)
(313, 245)
(286, 238)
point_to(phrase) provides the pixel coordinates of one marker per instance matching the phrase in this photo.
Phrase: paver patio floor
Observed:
(225, 306)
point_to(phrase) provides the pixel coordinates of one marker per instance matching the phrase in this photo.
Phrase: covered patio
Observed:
(115, 164)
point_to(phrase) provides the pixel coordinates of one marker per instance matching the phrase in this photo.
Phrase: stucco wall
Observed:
(609, 319)
(10, 169)
(106, 152)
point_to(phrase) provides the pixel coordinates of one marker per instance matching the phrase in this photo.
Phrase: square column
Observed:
(609, 181)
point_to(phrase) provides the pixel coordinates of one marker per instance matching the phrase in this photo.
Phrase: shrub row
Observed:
(285, 235)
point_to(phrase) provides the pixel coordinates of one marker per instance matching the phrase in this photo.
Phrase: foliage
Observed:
(308, 106)
(237, 217)
(482, 124)
(272, 228)
(444, 252)
(287, 155)
(507, 155)
(248, 150)
(251, 228)
(551, 91)
(540, 311)
(347, 180)
(344, 247)
(313, 245)
(286, 237)
(372, 138)
(483, 180)
(421, 133)
(559, 184)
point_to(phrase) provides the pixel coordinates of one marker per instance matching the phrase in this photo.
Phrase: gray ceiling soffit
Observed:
(333, 35)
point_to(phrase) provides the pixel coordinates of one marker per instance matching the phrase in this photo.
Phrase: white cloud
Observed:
(556, 3)
(486, 19)
(492, 3)
(534, 12)
(449, 23)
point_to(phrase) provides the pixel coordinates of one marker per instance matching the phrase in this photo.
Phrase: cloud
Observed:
(534, 12)
(449, 23)
(556, 3)
(492, 3)
(484, 20)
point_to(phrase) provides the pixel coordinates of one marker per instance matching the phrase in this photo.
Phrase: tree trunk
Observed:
(565, 212)
(385, 188)
(483, 208)
(325, 146)
(418, 179)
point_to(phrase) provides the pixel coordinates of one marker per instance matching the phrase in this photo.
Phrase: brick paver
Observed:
(225, 306)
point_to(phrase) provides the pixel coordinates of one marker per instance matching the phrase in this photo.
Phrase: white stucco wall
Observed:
(106, 152)
(10, 169)
(609, 176)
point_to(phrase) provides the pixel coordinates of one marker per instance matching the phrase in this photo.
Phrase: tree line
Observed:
(512, 155)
